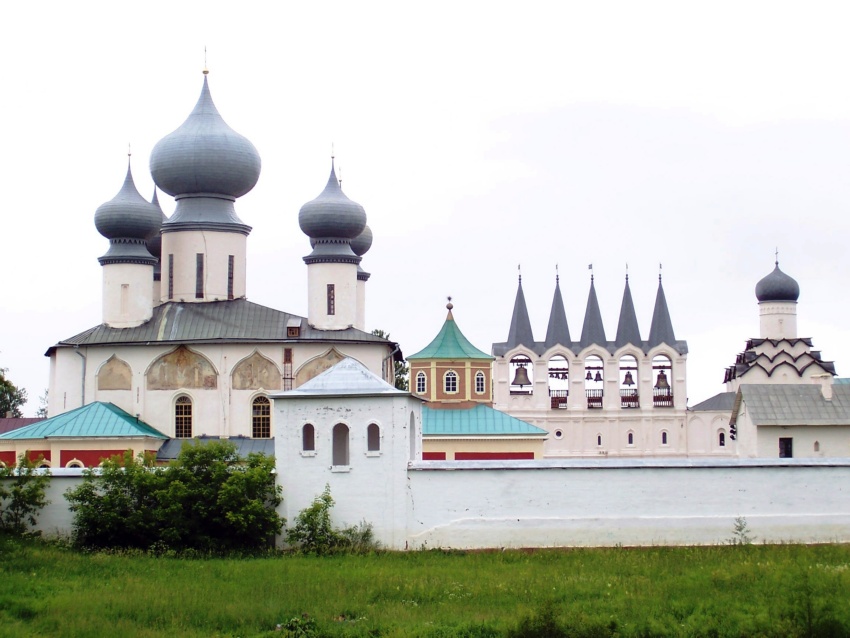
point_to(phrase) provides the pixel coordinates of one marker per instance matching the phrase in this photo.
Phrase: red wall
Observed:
(8, 457)
(492, 456)
(89, 458)
(433, 456)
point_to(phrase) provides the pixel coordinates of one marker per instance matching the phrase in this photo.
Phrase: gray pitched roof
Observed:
(723, 401)
(237, 321)
(520, 331)
(661, 330)
(755, 357)
(244, 446)
(793, 404)
(627, 327)
(592, 332)
(558, 332)
(349, 377)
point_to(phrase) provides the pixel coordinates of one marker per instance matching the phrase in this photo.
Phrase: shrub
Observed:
(314, 534)
(22, 494)
(206, 500)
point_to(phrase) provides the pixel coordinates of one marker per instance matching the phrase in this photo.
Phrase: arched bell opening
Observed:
(522, 375)
(662, 390)
(559, 381)
(594, 381)
(629, 397)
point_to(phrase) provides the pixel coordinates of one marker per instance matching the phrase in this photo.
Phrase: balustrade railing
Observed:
(629, 398)
(594, 398)
(662, 397)
(558, 399)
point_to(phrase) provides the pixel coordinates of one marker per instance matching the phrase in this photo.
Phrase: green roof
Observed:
(95, 419)
(482, 420)
(450, 344)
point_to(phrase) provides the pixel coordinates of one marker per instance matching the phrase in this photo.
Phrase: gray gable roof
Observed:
(661, 330)
(236, 321)
(793, 404)
(723, 401)
(349, 377)
(592, 332)
(558, 331)
(627, 327)
(244, 446)
(520, 331)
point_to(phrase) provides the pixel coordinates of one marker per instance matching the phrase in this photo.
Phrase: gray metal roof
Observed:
(793, 404)
(777, 286)
(244, 446)
(723, 402)
(520, 330)
(627, 327)
(661, 329)
(237, 321)
(593, 331)
(754, 357)
(558, 330)
(349, 377)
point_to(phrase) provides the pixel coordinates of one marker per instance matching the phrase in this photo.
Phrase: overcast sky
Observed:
(477, 136)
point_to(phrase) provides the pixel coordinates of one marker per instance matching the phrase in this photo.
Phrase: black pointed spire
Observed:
(661, 330)
(520, 332)
(627, 328)
(592, 332)
(558, 332)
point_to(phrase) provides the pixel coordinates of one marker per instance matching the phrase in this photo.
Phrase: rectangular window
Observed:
(171, 276)
(230, 276)
(199, 276)
(786, 448)
(331, 300)
(125, 297)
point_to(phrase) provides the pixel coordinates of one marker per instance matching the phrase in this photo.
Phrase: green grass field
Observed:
(755, 590)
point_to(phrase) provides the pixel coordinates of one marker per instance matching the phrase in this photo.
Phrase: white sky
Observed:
(476, 135)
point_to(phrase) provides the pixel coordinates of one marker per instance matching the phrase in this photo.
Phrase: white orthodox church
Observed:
(180, 346)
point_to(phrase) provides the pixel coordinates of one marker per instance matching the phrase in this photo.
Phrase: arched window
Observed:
(373, 438)
(599, 440)
(594, 381)
(817, 446)
(721, 439)
(664, 438)
(420, 383)
(340, 444)
(559, 382)
(74, 463)
(183, 418)
(261, 418)
(450, 382)
(662, 390)
(479, 382)
(308, 438)
(628, 382)
(631, 438)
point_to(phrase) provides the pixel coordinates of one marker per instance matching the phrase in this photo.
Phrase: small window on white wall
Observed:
(721, 439)
(631, 438)
(451, 382)
(420, 383)
(373, 438)
(308, 438)
(340, 445)
(664, 438)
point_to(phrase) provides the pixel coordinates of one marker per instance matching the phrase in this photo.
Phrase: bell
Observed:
(589, 376)
(661, 382)
(628, 379)
(598, 376)
(521, 377)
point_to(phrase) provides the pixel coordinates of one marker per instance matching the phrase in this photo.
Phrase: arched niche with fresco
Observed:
(317, 365)
(115, 374)
(256, 372)
(181, 368)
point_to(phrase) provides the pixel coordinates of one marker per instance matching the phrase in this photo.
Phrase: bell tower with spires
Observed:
(206, 166)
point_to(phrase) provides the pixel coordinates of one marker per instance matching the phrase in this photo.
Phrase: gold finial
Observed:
(206, 70)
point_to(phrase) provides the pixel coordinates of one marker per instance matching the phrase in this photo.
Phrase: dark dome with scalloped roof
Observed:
(128, 214)
(777, 286)
(205, 155)
(332, 214)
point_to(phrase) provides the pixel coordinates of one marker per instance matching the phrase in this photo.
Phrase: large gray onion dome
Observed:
(128, 220)
(363, 242)
(205, 155)
(777, 286)
(332, 214)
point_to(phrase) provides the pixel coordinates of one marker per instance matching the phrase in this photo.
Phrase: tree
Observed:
(22, 494)
(207, 499)
(11, 397)
(42, 405)
(400, 368)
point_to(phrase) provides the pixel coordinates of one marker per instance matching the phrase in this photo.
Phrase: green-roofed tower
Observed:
(450, 369)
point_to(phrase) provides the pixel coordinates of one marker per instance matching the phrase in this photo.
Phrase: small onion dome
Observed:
(155, 243)
(204, 155)
(128, 215)
(777, 286)
(332, 214)
(363, 242)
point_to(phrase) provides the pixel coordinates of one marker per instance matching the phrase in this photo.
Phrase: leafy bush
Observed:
(206, 500)
(314, 534)
(22, 494)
